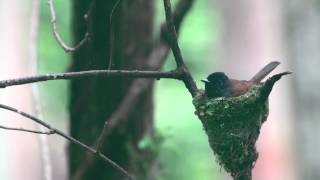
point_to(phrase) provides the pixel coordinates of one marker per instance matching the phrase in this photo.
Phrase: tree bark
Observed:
(303, 40)
(94, 100)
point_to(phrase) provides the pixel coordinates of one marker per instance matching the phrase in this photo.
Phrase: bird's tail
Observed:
(268, 85)
(265, 71)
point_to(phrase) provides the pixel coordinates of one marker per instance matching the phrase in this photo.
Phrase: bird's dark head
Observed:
(217, 85)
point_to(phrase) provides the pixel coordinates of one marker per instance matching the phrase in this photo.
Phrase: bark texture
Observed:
(94, 100)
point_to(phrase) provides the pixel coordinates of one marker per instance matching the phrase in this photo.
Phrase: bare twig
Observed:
(123, 111)
(173, 42)
(156, 62)
(91, 73)
(172, 34)
(27, 130)
(71, 139)
(181, 9)
(138, 87)
(57, 35)
(112, 34)
(120, 116)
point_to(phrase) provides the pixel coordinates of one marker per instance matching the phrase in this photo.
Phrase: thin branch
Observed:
(57, 35)
(155, 60)
(124, 110)
(180, 11)
(27, 130)
(172, 34)
(91, 73)
(71, 139)
(120, 116)
(173, 42)
(111, 25)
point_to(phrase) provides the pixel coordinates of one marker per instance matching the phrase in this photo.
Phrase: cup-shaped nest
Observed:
(233, 126)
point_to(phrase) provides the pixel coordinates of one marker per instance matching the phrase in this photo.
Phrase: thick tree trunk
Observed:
(94, 100)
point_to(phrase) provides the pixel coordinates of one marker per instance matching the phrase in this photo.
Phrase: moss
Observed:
(233, 126)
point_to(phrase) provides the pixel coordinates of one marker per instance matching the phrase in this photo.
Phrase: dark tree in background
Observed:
(94, 100)
(115, 115)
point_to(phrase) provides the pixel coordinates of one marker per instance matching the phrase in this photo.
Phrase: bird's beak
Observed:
(205, 80)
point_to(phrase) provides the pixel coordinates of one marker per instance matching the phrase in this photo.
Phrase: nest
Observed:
(233, 126)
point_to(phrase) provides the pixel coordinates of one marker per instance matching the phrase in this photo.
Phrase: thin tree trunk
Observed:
(303, 27)
(19, 153)
(94, 100)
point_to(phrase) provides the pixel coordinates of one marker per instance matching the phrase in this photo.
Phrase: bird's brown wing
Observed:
(239, 87)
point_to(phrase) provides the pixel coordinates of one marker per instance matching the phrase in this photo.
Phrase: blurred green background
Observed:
(185, 152)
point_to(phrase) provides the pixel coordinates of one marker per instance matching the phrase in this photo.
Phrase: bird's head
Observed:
(217, 85)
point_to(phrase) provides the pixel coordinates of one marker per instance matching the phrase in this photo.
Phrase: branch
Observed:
(57, 35)
(26, 130)
(124, 110)
(120, 116)
(173, 42)
(71, 139)
(154, 62)
(91, 73)
(180, 11)
(172, 34)
(111, 25)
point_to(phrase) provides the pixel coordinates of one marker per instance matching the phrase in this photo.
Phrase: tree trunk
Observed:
(303, 39)
(94, 100)
(19, 152)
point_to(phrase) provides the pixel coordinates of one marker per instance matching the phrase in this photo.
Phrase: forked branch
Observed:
(57, 35)
(173, 42)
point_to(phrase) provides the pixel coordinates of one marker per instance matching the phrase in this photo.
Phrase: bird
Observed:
(218, 84)
(233, 122)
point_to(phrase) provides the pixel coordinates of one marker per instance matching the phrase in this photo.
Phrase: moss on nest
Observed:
(233, 126)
